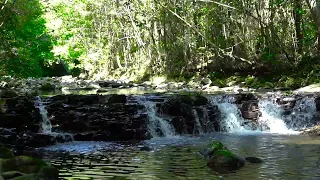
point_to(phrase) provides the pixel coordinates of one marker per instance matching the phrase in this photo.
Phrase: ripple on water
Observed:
(178, 158)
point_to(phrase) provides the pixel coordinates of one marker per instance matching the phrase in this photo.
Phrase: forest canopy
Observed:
(274, 40)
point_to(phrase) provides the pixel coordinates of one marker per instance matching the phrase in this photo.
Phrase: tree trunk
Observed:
(315, 11)
(297, 21)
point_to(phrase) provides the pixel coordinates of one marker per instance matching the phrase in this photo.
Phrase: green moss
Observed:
(216, 145)
(225, 153)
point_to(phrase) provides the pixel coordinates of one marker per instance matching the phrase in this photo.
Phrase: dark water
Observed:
(286, 157)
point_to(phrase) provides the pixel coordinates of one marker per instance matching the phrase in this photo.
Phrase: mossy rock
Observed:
(46, 173)
(5, 153)
(212, 148)
(224, 161)
(49, 173)
(23, 164)
(12, 174)
(220, 159)
(32, 176)
(48, 86)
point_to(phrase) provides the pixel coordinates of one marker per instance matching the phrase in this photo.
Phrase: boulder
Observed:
(224, 161)
(12, 174)
(220, 159)
(23, 164)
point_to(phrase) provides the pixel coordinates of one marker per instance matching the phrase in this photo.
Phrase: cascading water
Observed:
(46, 126)
(155, 123)
(198, 127)
(274, 119)
(271, 117)
(231, 119)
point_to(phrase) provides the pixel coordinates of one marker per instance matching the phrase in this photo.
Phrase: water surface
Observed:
(286, 157)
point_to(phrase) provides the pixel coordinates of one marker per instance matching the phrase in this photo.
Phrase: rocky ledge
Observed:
(126, 117)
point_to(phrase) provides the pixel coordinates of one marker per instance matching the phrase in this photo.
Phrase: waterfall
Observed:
(155, 123)
(274, 119)
(271, 117)
(46, 126)
(198, 127)
(231, 118)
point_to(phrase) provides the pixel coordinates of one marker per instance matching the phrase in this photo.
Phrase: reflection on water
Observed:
(177, 158)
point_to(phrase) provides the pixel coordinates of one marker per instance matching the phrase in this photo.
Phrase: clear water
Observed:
(286, 157)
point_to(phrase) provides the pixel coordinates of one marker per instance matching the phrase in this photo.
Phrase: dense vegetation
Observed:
(256, 41)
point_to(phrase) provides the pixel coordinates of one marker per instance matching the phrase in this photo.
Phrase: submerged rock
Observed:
(254, 160)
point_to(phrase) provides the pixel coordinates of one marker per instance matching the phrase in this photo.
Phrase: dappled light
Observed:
(159, 89)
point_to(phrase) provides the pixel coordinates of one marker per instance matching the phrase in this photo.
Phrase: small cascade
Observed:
(276, 119)
(155, 123)
(46, 126)
(271, 117)
(231, 118)
(198, 127)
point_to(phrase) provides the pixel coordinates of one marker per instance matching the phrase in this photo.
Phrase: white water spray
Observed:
(155, 122)
(271, 118)
(231, 118)
(274, 120)
(198, 127)
(46, 126)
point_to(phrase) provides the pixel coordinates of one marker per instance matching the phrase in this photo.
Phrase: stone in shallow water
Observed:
(12, 174)
(220, 159)
(224, 160)
(254, 160)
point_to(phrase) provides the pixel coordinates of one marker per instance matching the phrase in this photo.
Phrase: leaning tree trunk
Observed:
(314, 6)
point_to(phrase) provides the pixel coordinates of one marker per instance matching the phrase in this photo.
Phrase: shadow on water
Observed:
(177, 158)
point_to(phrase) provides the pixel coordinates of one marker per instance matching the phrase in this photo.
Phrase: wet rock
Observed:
(117, 99)
(254, 160)
(8, 93)
(48, 86)
(250, 115)
(145, 148)
(224, 161)
(100, 118)
(12, 174)
(220, 159)
(24, 164)
(313, 131)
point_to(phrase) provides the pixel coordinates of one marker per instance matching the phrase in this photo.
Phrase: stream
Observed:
(286, 157)
(177, 126)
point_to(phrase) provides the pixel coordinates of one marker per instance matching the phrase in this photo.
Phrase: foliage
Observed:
(136, 40)
(26, 45)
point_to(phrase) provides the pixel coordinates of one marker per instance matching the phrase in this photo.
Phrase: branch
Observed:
(200, 34)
